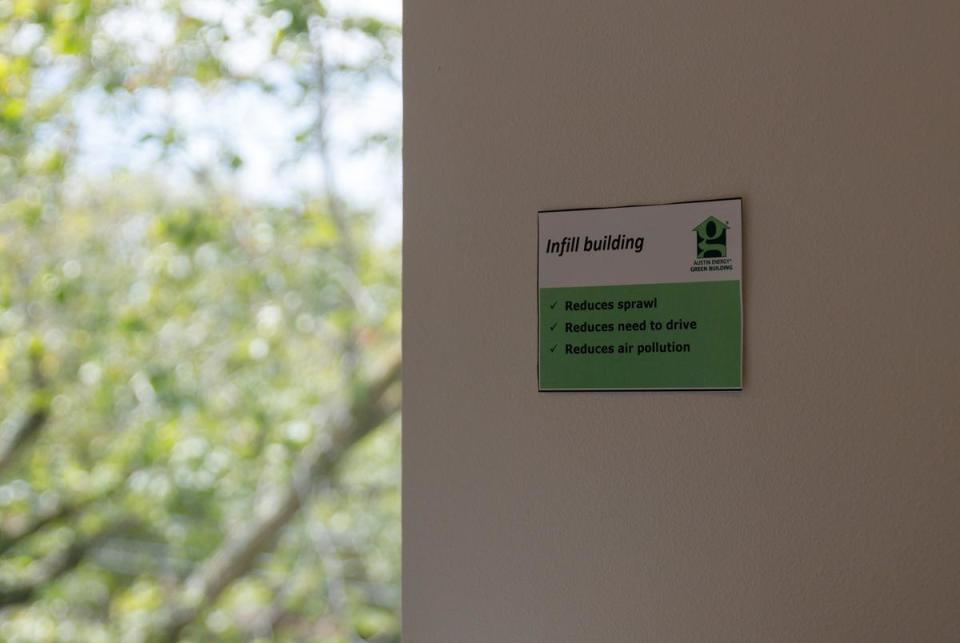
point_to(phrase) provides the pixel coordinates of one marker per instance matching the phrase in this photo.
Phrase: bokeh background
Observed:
(199, 320)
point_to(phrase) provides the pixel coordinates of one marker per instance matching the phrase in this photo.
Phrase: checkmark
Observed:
(553, 305)
(554, 326)
(554, 348)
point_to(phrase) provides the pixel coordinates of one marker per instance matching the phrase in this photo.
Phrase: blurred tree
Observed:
(198, 389)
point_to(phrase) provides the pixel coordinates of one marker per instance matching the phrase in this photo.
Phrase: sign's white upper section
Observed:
(670, 251)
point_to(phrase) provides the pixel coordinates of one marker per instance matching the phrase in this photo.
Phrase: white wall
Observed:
(822, 503)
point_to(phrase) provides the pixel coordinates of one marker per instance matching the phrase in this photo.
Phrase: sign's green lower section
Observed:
(655, 336)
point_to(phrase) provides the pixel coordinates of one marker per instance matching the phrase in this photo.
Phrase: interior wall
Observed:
(821, 503)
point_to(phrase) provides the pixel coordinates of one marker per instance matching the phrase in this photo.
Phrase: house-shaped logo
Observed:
(711, 238)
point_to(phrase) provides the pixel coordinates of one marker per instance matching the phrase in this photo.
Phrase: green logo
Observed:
(711, 238)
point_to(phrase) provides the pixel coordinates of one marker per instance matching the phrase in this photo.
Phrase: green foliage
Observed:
(170, 351)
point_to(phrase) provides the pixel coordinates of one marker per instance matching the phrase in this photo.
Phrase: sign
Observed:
(641, 297)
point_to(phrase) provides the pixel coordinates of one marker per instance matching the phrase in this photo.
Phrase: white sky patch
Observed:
(391, 10)
(146, 29)
(258, 127)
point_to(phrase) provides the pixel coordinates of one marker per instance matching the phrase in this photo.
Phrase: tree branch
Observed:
(43, 572)
(11, 443)
(13, 535)
(63, 510)
(35, 419)
(347, 247)
(238, 554)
